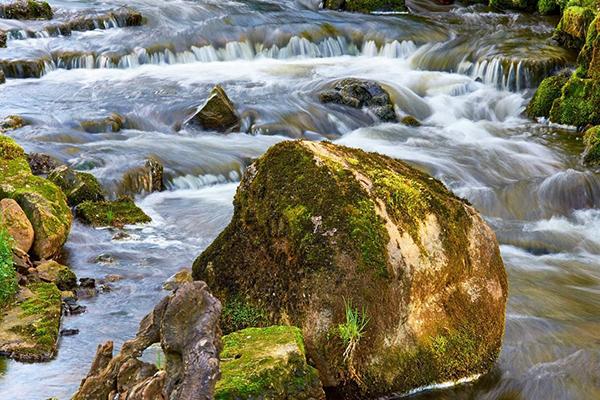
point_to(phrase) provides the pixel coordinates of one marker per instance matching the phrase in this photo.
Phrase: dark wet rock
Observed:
(69, 332)
(217, 113)
(29, 326)
(123, 17)
(145, 179)
(186, 325)
(43, 202)
(60, 275)
(104, 259)
(89, 283)
(11, 122)
(77, 186)
(26, 9)
(365, 6)
(113, 123)
(2, 77)
(71, 307)
(359, 93)
(42, 164)
(121, 235)
(409, 120)
(111, 213)
(2, 38)
(325, 229)
(15, 221)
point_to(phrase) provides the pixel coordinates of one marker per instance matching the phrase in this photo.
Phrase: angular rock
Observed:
(186, 325)
(26, 9)
(365, 6)
(44, 204)
(111, 213)
(15, 221)
(29, 326)
(321, 230)
(217, 113)
(146, 179)
(77, 186)
(359, 93)
(267, 363)
(577, 105)
(60, 275)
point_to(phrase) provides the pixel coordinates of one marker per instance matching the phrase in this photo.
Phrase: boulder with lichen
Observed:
(324, 235)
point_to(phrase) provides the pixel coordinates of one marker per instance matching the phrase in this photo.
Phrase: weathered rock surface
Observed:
(42, 164)
(217, 113)
(60, 275)
(43, 202)
(319, 229)
(186, 323)
(179, 278)
(365, 6)
(267, 363)
(15, 221)
(111, 213)
(29, 326)
(148, 178)
(77, 186)
(26, 9)
(359, 93)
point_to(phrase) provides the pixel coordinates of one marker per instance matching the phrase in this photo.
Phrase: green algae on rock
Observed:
(26, 9)
(316, 225)
(578, 103)
(43, 202)
(572, 29)
(591, 155)
(366, 6)
(111, 213)
(266, 363)
(548, 91)
(77, 186)
(29, 326)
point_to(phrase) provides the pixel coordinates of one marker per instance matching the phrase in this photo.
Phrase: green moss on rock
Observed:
(317, 226)
(78, 186)
(591, 155)
(26, 9)
(239, 314)
(111, 213)
(60, 275)
(548, 91)
(573, 26)
(8, 275)
(578, 103)
(266, 363)
(43, 202)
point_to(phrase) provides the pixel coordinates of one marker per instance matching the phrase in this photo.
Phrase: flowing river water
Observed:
(466, 72)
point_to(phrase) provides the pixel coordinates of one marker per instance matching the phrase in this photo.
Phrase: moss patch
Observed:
(78, 186)
(266, 363)
(111, 213)
(549, 90)
(573, 26)
(578, 104)
(8, 275)
(591, 155)
(239, 314)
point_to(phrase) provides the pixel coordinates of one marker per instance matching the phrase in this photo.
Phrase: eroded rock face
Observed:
(17, 224)
(359, 93)
(319, 229)
(43, 202)
(217, 113)
(186, 324)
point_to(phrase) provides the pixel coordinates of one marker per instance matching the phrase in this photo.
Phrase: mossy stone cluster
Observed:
(317, 225)
(42, 201)
(365, 6)
(266, 363)
(111, 213)
(26, 9)
(591, 155)
(77, 186)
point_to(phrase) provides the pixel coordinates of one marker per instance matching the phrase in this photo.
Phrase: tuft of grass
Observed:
(8, 275)
(353, 329)
(160, 362)
(110, 216)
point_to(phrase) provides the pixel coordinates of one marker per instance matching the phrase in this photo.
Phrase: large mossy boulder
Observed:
(29, 326)
(14, 220)
(366, 6)
(573, 26)
(266, 363)
(322, 233)
(77, 186)
(578, 104)
(42, 201)
(26, 9)
(549, 90)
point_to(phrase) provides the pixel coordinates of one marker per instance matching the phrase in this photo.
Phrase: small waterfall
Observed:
(504, 74)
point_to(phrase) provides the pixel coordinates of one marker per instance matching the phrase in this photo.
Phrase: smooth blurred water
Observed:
(464, 72)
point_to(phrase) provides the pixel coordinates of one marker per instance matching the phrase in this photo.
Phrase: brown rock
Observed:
(217, 113)
(17, 224)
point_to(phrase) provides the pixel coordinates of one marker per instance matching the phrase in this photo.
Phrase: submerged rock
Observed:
(365, 6)
(29, 326)
(113, 123)
(111, 213)
(591, 155)
(331, 232)
(267, 363)
(359, 93)
(16, 223)
(26, 9)
(409, 120)
(43, 202)
(217, 113)
(548, 91)
(186, 325)
(77, 186)
(148, 178)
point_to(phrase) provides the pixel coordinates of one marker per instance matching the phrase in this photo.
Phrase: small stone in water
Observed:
(69, 332)
(87, 282)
